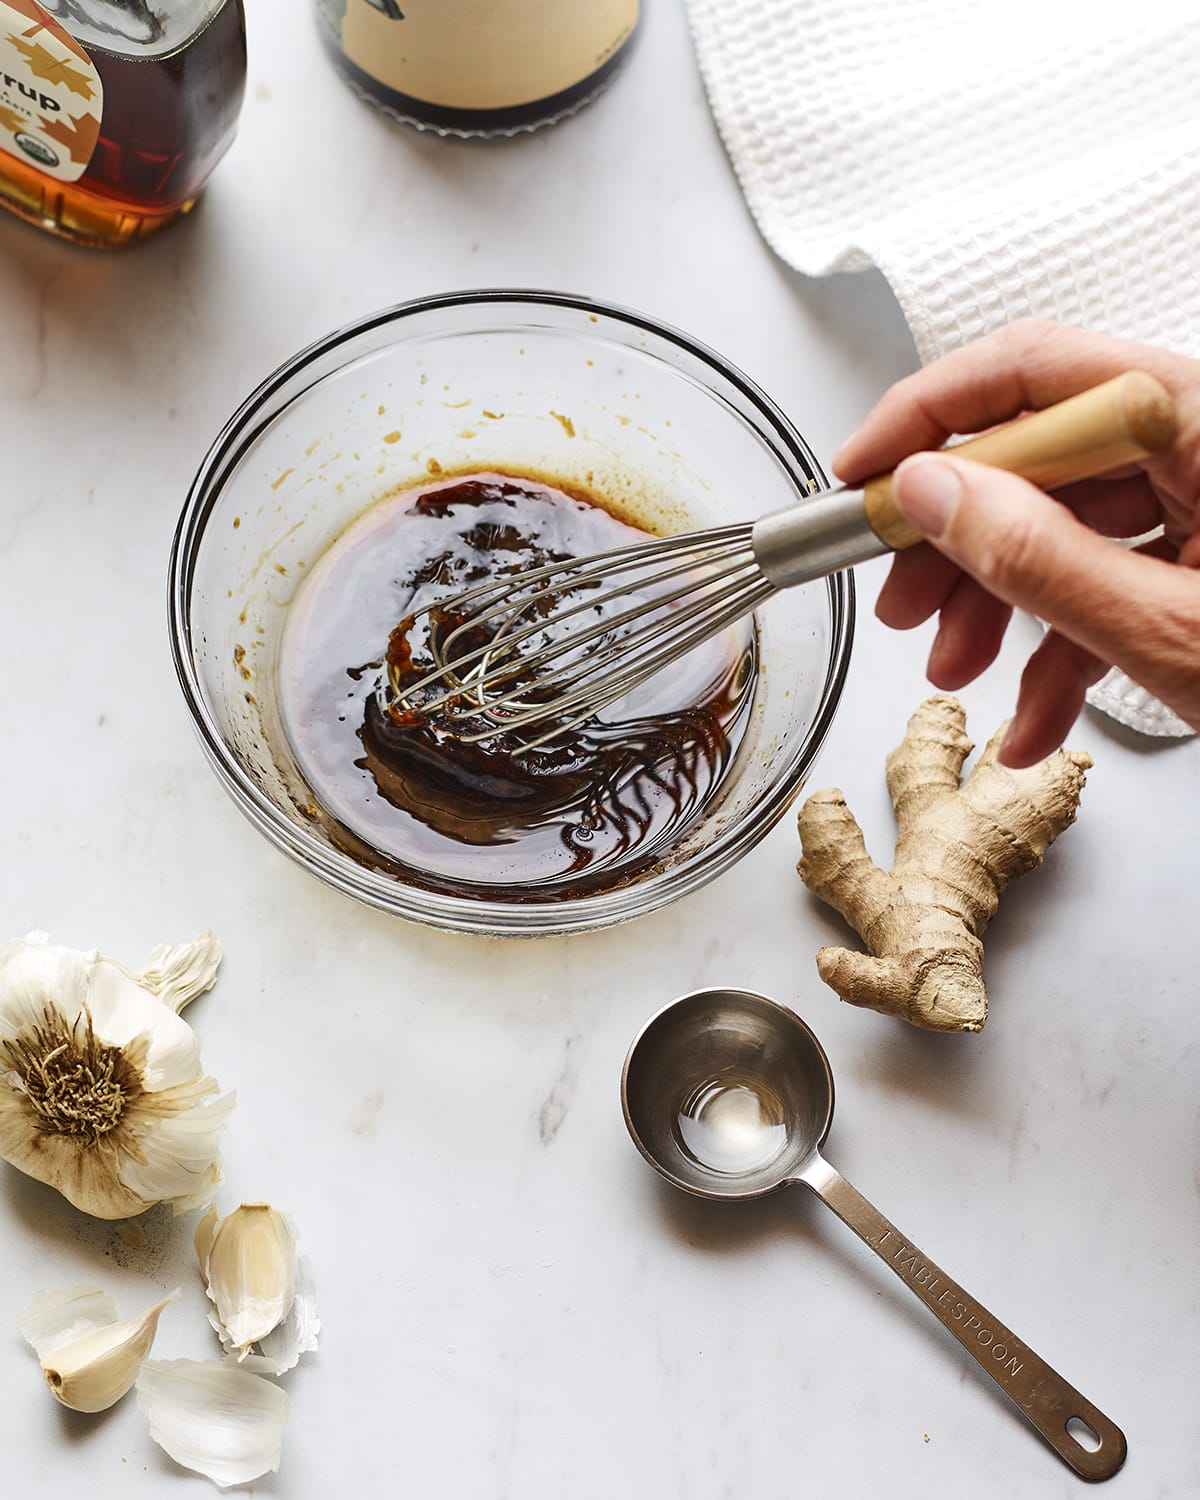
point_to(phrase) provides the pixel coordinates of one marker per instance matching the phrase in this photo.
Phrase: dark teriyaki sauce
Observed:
(586, 810)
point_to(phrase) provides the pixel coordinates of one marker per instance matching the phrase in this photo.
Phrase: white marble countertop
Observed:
(514, 1305)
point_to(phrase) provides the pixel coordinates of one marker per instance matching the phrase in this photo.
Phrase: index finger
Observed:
(1021, 368)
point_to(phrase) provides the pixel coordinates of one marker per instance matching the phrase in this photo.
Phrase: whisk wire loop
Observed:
(641, 654)
(572, 644)
(724, 564)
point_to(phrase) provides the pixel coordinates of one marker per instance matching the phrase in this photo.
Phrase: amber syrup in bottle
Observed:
(113, 113)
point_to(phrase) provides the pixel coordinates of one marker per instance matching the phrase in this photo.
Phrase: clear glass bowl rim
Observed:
(491, 917)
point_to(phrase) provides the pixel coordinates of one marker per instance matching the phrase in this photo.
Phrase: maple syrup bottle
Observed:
(478, 67)
(113, 113)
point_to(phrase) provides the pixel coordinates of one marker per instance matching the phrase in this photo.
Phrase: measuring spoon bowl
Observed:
(729, 1095)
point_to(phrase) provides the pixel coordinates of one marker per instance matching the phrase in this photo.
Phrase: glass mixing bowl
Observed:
(590, 395)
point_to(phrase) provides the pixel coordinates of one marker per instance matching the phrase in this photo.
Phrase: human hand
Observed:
(996, 541)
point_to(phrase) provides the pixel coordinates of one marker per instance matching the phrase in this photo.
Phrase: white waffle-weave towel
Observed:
(1036, 158)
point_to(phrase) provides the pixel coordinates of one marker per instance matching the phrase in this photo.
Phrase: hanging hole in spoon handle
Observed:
(1123, 420)
(1081, 1435)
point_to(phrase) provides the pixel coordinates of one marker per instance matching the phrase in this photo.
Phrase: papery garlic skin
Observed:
(281, 1349)
(214, 1418)
(101, 1090)
(248, 1261)
(56, 1318)
(89, 1364)
(178, 972)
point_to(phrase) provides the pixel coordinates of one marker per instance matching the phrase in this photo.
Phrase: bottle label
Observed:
(51, 97)
(482, 54)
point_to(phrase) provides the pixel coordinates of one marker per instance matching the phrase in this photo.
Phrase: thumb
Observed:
(1032, 552)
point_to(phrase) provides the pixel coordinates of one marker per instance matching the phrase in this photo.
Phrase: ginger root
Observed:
(957, 848)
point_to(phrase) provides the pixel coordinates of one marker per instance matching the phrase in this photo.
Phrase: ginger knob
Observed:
(959, 843)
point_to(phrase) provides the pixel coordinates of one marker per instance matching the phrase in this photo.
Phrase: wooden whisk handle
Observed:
(1116, 423)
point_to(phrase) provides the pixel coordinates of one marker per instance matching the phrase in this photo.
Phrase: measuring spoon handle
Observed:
(1040, 1393)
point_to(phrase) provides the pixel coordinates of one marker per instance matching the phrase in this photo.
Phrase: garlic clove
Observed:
(91, 1371)
(180, 1149)
(281, 1349)
(122, 1011)
(250, 1269)
(56, 1318)
(278, 1350)
(33, 970)
(215, 1419)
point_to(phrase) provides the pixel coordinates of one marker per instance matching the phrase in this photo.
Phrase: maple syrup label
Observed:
(51, 97)
(482, 54)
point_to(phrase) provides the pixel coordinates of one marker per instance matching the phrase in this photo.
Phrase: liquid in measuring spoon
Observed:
(732, 1125)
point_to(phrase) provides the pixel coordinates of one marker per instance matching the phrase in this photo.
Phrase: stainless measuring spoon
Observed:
(730, 1095)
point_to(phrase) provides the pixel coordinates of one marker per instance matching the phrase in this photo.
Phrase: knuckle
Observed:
(1027, 333)
(903, 393)
(1164, 655)
(1033, 347)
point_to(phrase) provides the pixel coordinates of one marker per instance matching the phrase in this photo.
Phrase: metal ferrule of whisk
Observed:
(810, 541)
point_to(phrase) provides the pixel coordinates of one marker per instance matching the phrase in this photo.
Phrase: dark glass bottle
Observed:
(478, 67)
(113, 113)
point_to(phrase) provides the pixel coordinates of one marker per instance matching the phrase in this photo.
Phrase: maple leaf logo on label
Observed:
(44, 64)
(51, 96)
(76, 135)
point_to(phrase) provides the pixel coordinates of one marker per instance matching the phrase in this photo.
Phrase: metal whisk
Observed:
(538, 652)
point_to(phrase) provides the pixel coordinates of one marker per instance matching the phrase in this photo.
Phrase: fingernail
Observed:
(1006, 745)
(1011, 745)
(928, 490)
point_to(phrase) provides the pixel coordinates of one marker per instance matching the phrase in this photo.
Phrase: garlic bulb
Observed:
(89, 1359)
(214, 1418)
(101, 1091)
(262, 1297)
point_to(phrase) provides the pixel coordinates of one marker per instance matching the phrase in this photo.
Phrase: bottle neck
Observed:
(140, 28)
